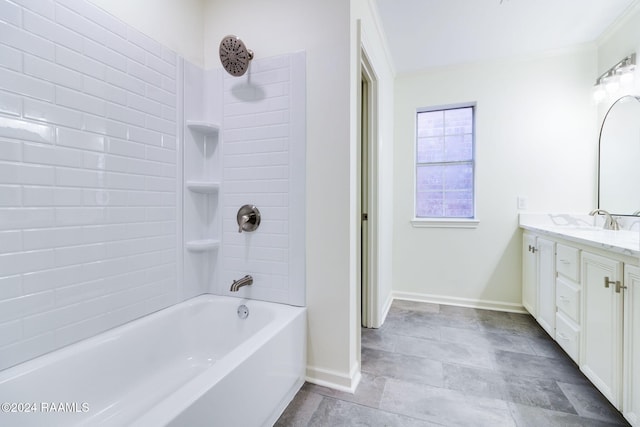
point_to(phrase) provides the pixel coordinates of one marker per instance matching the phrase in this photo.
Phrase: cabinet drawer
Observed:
(568, 262)
(568, 299)
(568, 336)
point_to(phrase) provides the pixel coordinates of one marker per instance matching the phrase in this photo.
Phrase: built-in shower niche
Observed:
(202, 222)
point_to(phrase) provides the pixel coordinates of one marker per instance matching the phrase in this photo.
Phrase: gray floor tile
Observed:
(487, 340)
(443, 351)
(378, 339)
(300, 410)
(338, 413)
(539, 392)
(420, 307)
(410, 325)
(519, 364)
(545, 346)
(368, 393)
(529, 416)
(590, 403)
(524, 329)
(474, 381)
(443, 406)
(401, 366)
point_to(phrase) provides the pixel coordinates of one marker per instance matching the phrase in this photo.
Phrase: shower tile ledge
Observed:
(583, 229)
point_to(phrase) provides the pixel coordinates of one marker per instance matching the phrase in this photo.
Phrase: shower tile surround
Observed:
(91, 185)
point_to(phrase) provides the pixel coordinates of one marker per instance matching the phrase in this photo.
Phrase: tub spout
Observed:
(237, 284)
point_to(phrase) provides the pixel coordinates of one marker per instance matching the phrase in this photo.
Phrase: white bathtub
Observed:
(193, 364)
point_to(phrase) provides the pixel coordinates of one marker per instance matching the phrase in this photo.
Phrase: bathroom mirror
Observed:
(619, 159)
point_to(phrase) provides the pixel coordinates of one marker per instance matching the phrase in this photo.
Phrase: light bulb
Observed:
(626, 78)
(599, 93)
(612, 84)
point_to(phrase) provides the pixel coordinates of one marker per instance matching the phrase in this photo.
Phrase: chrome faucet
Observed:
(610, 223)
(237, 284)
(636, 213)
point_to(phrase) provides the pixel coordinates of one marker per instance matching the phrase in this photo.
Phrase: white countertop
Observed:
(586, 230)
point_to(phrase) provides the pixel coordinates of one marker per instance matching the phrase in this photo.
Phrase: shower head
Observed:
(234, 55)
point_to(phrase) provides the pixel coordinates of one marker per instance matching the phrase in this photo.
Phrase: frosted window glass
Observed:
(445, 163)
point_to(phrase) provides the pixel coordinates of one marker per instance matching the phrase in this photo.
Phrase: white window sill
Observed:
(444, 223)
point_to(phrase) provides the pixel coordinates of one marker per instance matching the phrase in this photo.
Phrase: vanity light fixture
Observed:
(611, 80)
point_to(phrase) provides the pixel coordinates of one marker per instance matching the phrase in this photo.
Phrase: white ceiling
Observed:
(430, 33)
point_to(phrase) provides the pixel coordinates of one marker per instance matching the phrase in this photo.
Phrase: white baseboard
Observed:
(334, 379)
(461, 302)
(386, 308)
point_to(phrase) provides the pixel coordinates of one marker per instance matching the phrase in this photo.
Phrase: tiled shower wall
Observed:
(88, 175)
(264, 122)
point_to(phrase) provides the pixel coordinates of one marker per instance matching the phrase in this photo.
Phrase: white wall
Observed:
(322, 30)
(536, 136)
(179, 25)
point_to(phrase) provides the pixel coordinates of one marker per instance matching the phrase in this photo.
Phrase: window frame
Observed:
(445, 222)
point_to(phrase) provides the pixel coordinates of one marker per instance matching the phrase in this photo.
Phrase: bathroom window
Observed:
(444, 174)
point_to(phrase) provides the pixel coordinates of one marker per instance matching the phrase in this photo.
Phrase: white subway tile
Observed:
(25, 41)
(104, 126)
(49, 30)
(105, 233)
(59, 317)
(262, 146)
(145, 42)
(169, 142)
(125, 81)
(80, 139)
(257, 133)
(104, 198)
(79, 216)
(24, 174)
(26, 85)
(10, 104)
(23, 350)
(125, 47)
(10, 13)
(78, 177)
(161, 155)
(15, 218)
(161, 66)
(161, 95)
(160, 213)
(50, 238)
(79, 254)
(144, 73)
(160, 184)
(10, 287)
(145, 136)
(126, 148)
(125, 181)
(67, 196)
(169, 113)
(24, 262)
(145, 105)
(10, 332)
(40, 281)
(10, 58)
(21, 129)
(144, 198)
(96, 15)
(125, 115)
(169, 56)
(105, 55)
(161, 125)
(10, 150)
(51, 155)
(250, 174)
(170, 85)
(10, 241)
(80, 24)
(49, 71)
(116, 163)
(84, 329)
(80, 101)
(80, 293)
(37, 196)
(50, 113)
(42, 7)
(145, 167)
(259, 159)
(104, 90)
(77, 61)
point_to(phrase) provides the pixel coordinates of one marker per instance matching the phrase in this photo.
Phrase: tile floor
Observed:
(436, 365)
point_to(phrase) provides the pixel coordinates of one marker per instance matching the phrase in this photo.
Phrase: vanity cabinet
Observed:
(631, 348)
(568, 300)
(538, 274)
(601, 349)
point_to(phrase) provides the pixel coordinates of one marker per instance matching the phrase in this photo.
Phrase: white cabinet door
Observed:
(631, 377)
(601, 344)
(529, 274)
(546, 285)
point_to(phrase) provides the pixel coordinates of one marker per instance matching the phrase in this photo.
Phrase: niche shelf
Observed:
(205, 187)
(205, 128)
(204, 245)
